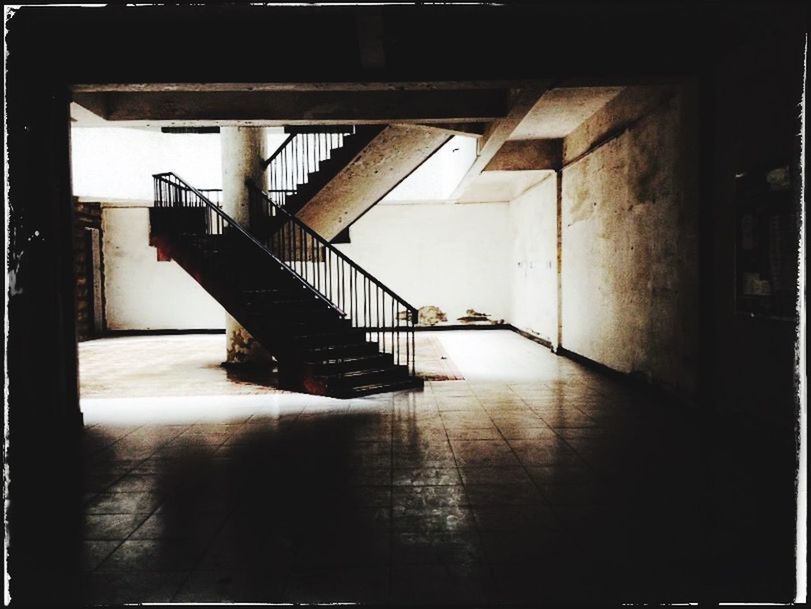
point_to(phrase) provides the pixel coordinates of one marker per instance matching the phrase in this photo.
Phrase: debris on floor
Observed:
(471, 315)
(431, 315)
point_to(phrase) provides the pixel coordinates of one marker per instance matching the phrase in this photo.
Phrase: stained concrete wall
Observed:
(629, 249)
(142, 293)
(452, 256)
(533, 262)
(86, 215)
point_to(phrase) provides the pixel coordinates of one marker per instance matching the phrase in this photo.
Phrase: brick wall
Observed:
(86, 215)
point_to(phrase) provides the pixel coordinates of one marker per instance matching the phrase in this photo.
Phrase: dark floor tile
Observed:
(151, 555)
(583, 493)
(238, 586)
(533, 453)
(562, 473)
(493, 475)
(341, 585)
(522, 493)
(367, 496)
(99, 482)
(368, 476)
(567, 419)
(98, 527)
(527, 518)
(473, 433)
(421, 497)
(131, 587)
(424, 548)
(94, 553)
(540, 545)
(442, 583)
(245, 550)
(483, 453)
(546, 583)
(426, 476)
(172, 525)
(342, 549)
(521, 432)
(122, 503)
(439, 519)
(136, 483)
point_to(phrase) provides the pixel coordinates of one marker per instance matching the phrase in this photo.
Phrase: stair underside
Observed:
(391, 156)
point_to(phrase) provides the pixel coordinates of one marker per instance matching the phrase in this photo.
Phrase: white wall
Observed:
(118, 163)
(452, 256)
(439, 175)
(142, 293)
(533, 228)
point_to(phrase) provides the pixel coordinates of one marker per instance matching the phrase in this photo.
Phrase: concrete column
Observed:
(243, 151)
(558, 342)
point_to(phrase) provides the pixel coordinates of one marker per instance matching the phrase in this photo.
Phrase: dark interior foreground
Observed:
(689, 499)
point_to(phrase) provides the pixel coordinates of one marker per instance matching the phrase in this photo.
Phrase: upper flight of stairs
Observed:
(318, 346)
(339, 157)
(329, 185)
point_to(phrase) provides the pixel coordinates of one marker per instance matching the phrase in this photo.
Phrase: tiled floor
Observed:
(189, 364)
(533, 480)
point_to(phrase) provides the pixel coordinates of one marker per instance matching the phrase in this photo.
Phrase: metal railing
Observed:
(371, 306)
(172, 192)
(300, 155)
(212, 194)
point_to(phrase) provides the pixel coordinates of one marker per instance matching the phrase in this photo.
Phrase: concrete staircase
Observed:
(319, 348)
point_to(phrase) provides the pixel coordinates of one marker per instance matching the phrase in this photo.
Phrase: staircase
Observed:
(333, 328)
(305, 163)
(328, 180)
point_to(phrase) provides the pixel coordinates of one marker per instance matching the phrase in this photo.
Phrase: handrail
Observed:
(291, 218)
(278, 151)
(167, 179)
(370, 305)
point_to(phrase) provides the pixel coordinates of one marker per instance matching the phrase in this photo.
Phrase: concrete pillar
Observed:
(243, 151)
(558, 342)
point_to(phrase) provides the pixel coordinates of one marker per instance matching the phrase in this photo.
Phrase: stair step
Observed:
(359, 378)
(322, 352)
(276, 294)
(287, 307)
(289, 301)
(333, 365)
(360, 390)
(349, 336)
(281, 323)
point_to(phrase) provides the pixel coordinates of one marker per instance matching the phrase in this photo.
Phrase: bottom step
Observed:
(383, 387)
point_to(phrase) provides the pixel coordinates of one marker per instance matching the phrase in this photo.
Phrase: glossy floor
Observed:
(534, 479)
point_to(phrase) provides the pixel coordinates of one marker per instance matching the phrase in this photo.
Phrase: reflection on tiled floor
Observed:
(496, 489)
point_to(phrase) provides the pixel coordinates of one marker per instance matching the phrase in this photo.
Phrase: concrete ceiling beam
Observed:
(297, 107)
(466, 129)
(300, 87)
(612, 119)
(527, 155)
(498, 132)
